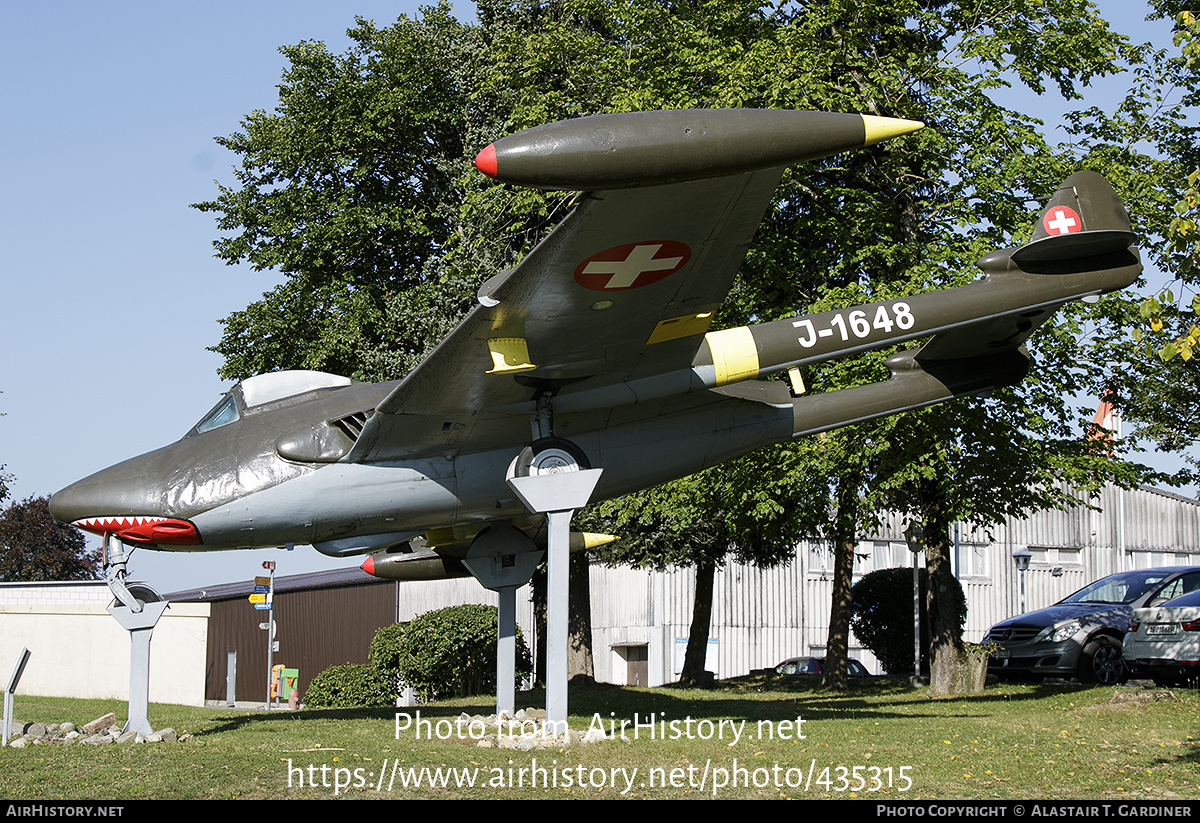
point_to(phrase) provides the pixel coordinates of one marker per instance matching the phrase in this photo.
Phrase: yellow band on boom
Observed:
(734, 355)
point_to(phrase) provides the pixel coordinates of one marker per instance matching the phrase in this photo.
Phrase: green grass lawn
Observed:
(882, 740)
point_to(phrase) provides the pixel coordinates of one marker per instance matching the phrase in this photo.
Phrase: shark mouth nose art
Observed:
(162, 531)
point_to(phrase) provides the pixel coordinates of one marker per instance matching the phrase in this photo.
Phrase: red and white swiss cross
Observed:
(632, 265)
(1061, 220)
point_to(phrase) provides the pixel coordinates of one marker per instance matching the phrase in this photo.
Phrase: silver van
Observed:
(1080, 636)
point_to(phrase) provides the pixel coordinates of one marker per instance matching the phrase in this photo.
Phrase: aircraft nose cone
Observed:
(107, 503)
(102, 495)
(64, 505)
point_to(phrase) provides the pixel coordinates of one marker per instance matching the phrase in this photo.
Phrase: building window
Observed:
(821, 559)
(1056, 557)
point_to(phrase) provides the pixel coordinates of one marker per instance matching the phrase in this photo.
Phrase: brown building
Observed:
(322, 619)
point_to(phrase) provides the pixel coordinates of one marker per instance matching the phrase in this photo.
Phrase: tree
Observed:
(841, 504)
(874, 224)
(37, 547)
(579, 619)
(1160, 396)
(348, 188)
(4, 478)
(883, 616)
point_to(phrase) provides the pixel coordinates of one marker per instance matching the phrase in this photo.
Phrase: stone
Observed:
(101, 731)
(102, 722)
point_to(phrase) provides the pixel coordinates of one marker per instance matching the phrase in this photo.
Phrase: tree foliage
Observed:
(35, 546)
(384, 652)
(1159, 391)
(5, 479)
(347, 188)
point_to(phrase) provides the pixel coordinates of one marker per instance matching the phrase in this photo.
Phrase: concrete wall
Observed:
(77, 649)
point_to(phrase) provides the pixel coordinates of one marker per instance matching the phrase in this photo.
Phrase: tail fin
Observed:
(1084, 222)
(1084, 218)
(1084, 230)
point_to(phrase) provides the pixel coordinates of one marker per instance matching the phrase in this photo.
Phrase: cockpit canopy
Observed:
(263, 390)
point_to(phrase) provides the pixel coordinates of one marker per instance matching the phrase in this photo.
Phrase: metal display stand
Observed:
(503, 559)
(137, 608)
(140, 626)
(557, 495)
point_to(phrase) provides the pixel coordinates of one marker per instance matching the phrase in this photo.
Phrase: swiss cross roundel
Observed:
(1061, 220)
(632, 265)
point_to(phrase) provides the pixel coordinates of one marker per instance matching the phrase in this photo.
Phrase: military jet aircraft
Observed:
(595, 351)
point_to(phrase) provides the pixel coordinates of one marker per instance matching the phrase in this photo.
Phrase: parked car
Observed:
(1081, 635)
(816, 665)
(1163, 642)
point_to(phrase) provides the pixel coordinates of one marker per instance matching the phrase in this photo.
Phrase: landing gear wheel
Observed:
(144, 593)
(550, 455)
(1101, 662)
(141, 593)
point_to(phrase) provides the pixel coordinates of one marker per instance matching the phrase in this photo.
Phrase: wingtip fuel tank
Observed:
(614, 151)
(408, 562)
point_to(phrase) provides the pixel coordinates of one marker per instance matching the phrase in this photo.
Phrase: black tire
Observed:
(142, 594)
(550, 455)
(1101, 662)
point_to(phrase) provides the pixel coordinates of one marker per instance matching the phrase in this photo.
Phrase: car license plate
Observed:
(1161, 628)
(1000, 654)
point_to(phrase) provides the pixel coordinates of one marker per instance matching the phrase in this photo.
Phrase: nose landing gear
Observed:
(134, 596)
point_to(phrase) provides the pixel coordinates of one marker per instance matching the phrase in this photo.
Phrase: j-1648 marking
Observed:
(856, 322)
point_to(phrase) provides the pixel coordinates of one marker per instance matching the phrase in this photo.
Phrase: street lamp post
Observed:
(914, 536)
(1021, 556)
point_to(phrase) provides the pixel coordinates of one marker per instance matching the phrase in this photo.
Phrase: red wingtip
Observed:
(369, 566)
(485, 161)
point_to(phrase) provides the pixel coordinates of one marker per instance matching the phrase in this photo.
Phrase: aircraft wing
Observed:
(626, 286)
(623, 288)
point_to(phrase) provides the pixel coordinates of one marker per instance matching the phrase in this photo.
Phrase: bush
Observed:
(351, 685)
(384, 653)
(881, 617)
(451, 652)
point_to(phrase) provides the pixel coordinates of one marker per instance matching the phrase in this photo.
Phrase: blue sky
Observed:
(110, 289)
